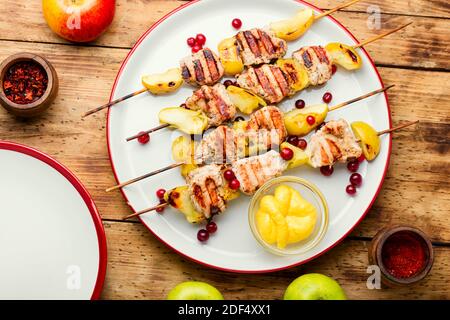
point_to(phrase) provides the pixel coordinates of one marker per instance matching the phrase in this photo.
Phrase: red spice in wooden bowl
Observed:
(25, 82)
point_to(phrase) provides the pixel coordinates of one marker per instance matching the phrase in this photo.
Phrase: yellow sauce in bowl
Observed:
(285, 217)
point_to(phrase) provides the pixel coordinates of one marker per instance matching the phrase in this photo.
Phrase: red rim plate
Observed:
(250, 271)
(76, 183)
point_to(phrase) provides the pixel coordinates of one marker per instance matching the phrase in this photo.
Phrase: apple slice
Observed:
(244, 100)
(180, 199)
(344, 55)
(295, 120)
(300, 157)
(229, 56)
(161, 83)
(369, 139)
(294, 27)
(188, 121)
(296, 72)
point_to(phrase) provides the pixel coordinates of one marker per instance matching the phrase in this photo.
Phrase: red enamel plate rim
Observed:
(12, 146)
(250, 271)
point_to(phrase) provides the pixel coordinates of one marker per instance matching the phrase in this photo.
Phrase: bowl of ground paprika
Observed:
(403, 253)
(28, 84)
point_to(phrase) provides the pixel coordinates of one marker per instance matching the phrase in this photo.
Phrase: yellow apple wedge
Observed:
(294, 27)
(161, 83)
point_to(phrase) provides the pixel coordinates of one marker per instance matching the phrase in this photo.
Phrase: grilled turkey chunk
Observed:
(266, 81)
(202, 67)
(206, 187)
(334, 142)
(256, 46)
(254, 171)
(215, 102)
(317, 62)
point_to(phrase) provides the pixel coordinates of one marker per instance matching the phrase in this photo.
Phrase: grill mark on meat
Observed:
(307, 59)
(252, 43)
(198, 194)
(210, 186)
(221, 105)
(265, 83)
(199, 75)
(212, 65)
(281, 80)
(266, 41)
(320, 53)
(185, 72)
(334, 148)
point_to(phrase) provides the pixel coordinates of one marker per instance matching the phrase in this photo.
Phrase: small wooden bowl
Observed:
(376, 248)
(43, 103)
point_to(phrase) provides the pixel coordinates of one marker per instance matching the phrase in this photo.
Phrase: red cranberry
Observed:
(200, 39)
(350, 189)
(287, 154)
(327, 170)
(236, 23)
(143, 137)
(236, 84)
(229, 175)
(160, 193)
(211, 227)
(234, 184)
(353, 166)
(191, 42)
(202, 235)
(228, 83)
(302, 144)
(356, 179)
(311, 120)
(327, 97)
(196, 48)
(300, 104)
(333, 69)
(293, 140)
(160, 209)
(361, 158)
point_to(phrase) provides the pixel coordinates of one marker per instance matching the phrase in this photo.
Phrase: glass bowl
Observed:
(310, 193)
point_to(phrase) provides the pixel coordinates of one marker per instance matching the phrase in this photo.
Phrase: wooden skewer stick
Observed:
(367, 41)
(174, 165)
(148, 131)
(109, 104)
(339, 7)
(364, 96)
(404, 125)
(401, 126)
(162, 205)
(343, 104)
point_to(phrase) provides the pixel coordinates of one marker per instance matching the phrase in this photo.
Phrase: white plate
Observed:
(233, 247)
(52, 242)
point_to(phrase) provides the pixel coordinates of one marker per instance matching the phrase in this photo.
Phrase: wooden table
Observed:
(416, 189)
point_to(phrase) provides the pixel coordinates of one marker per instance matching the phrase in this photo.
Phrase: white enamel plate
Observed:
(233, 247)
(52, 242)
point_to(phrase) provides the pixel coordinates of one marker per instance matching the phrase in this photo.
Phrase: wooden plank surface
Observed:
(140, 267)
(416, 190)
(424, 44)
(418, 187)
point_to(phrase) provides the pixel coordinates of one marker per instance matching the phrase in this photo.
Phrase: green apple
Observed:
(314, 286)
(194, 290)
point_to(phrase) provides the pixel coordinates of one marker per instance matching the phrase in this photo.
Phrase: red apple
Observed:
(79, 20)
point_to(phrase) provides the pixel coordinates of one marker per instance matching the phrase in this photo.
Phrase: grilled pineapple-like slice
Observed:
(244, 100)
(294, 27)
(183, 152)
(161, 83)
(179, 198)
(296, 72)
(188, 121)
(229, 56)
(344, 55)
(300, 157)
(295, 120)
(369, 139)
